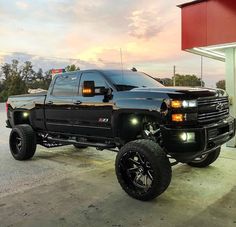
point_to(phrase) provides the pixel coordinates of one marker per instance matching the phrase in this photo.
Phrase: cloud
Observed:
(44, 62)
(22, 5)
(145, 24)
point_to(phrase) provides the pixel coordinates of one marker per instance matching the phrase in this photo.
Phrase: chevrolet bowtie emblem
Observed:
(220, 106)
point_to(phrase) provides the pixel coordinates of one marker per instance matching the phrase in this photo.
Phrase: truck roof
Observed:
(98, 70)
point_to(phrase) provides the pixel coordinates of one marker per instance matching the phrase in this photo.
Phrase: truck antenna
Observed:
(121, 62)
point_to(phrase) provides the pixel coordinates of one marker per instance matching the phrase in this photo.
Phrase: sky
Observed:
(93, 34)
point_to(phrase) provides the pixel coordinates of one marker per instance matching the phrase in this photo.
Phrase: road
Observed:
(66, 187)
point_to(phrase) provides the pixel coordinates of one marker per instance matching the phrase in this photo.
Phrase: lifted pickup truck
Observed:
(129, 112)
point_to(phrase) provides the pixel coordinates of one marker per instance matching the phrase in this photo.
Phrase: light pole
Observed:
(174, 69)
(201, 70)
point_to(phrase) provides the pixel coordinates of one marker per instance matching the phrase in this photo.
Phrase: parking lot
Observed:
(66, 187)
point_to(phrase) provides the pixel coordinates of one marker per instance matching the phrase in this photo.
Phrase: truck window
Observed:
(65, 85)
(127, 80)
(98, 79)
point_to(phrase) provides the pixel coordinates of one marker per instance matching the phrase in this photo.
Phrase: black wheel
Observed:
(143, 170)
(80, 146)
(205, 160)
(22, 142)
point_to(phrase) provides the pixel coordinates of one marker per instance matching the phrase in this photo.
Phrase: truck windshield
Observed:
(127, 80)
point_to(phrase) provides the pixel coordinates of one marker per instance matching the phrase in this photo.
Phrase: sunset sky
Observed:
(89, 33)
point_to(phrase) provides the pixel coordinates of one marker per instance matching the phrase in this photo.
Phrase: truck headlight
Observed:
(189, 103)
(183, 103)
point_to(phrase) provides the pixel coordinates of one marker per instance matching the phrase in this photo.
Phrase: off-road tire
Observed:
(25, 135)
(156, 159)
(207, 160)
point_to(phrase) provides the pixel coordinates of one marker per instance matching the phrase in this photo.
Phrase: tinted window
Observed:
(65, 85)
(127, 80)
(98, 79)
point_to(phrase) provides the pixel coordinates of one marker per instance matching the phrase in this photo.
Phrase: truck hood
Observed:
(191, 92)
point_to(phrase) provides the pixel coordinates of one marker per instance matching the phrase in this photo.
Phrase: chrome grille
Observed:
(212, 109)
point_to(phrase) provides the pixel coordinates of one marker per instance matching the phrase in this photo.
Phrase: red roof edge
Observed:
(190, 3)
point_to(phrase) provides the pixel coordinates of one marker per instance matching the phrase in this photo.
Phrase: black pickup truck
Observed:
(129, 112)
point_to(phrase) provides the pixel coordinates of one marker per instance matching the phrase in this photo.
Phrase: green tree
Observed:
(71, 68)
(165, 81)
(39, 75)
(221, 84)
(41, 81)
(6, 70)
(1, 87)
(27, 72)
(187, 80)
(12, 82)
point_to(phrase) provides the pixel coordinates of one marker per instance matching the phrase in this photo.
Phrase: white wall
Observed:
(231, 84)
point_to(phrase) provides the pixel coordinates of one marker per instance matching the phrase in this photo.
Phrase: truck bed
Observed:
(26, 101)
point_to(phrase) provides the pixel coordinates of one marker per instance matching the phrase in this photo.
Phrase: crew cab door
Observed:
(59, 103)
(92, 115)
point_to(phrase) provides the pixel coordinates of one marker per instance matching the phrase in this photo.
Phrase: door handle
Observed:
(50, 102)
(77, 102)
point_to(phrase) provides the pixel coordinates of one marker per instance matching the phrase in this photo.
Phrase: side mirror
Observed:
(88, 89)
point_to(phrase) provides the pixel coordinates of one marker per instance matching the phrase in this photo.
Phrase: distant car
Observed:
(128, 110)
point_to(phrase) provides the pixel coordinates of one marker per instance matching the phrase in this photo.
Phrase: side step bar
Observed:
(69, 141)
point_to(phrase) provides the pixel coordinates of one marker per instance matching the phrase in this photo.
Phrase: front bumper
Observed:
(207, 138)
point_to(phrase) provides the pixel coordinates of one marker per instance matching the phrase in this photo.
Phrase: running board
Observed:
(97, 145)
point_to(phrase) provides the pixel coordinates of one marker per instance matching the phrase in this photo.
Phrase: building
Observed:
(209, 29)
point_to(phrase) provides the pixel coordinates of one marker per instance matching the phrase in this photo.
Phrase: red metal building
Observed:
(209, 29)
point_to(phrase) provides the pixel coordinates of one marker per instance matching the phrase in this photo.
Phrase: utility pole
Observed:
(201, 70)
(174, 75)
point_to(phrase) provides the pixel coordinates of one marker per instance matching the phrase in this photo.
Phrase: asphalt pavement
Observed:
(69, 187)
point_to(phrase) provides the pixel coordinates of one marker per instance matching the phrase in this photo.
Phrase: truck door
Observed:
(59, 103)
(92, 115)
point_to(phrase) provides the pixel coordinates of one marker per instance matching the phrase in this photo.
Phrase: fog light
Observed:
(188, 137)
(134, 121)
(25, 114)
(183, 136)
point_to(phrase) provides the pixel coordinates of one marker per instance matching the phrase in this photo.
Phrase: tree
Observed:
(188, 80)
(165, 81)
(71, 68)
(12, 82)
(5, 70)
(27, 72)
(1, 87)
(39, 75)
(221, 84)
(41, 81)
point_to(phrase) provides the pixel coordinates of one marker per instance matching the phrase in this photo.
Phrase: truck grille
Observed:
(212, 109)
